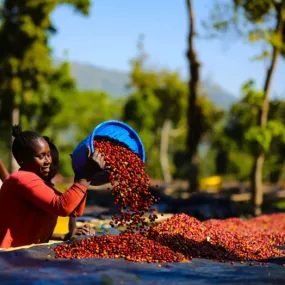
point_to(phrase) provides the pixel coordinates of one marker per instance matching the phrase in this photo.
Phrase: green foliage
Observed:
(240, 164)
(277, 118)
(259, 139)
(244, 138)
(209, 114)
(242, 125)
(252, 97)
(256, 11)
(254, 19)
(274, 166)
(81, 6)
(263, 56)
(141, 109)
(221, 18)
(276, 128)
(38, 114)
(275, 157)
(27, 78)
(263, 15)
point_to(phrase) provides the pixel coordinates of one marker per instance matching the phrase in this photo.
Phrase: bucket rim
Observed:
(129, 128)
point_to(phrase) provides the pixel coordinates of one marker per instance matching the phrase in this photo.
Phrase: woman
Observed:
(28, 206)
(73, 230)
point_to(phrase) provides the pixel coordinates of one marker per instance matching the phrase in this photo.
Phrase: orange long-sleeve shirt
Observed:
(29, 208)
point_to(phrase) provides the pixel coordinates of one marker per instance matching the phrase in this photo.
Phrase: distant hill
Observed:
(90, 77)
(218, 95)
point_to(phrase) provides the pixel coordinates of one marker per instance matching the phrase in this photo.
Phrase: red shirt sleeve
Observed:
(35, 190)
(80, 209)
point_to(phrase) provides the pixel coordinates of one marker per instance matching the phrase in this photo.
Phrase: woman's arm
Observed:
(99, 178)
(35, 190)
(79, 209)
(4, 174)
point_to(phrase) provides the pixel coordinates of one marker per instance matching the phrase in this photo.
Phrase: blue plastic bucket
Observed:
(113, 129)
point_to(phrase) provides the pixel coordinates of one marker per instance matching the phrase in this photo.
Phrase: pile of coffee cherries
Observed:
(182, 238)
(223, 240)
(130, 246)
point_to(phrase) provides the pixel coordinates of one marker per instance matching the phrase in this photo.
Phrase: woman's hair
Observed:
(22, 143)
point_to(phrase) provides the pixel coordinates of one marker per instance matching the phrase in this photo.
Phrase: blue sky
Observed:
(108, 38)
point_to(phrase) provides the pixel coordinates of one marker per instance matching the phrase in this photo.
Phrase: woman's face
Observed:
(39, 161)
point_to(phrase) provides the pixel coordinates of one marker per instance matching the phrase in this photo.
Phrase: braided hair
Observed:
(22, 144)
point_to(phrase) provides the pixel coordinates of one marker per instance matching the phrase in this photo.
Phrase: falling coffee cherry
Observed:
(130, 184)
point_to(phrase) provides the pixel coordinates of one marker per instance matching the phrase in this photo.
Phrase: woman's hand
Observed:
(84, 230)
(94, 165)
(97, 162)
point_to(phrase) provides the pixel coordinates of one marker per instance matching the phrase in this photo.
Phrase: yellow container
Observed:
(61, 226)
(211, 182)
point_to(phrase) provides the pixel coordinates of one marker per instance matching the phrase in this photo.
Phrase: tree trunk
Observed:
(257, 184)
(15, 119)
(164, 152)
(193, 134)
(263, 116)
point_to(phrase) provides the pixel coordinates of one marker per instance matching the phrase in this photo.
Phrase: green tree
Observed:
(263, 22)
(26, 69)
(242, 138)
(275, 162)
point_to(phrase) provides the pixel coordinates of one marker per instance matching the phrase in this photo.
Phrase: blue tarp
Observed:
(37, 266)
